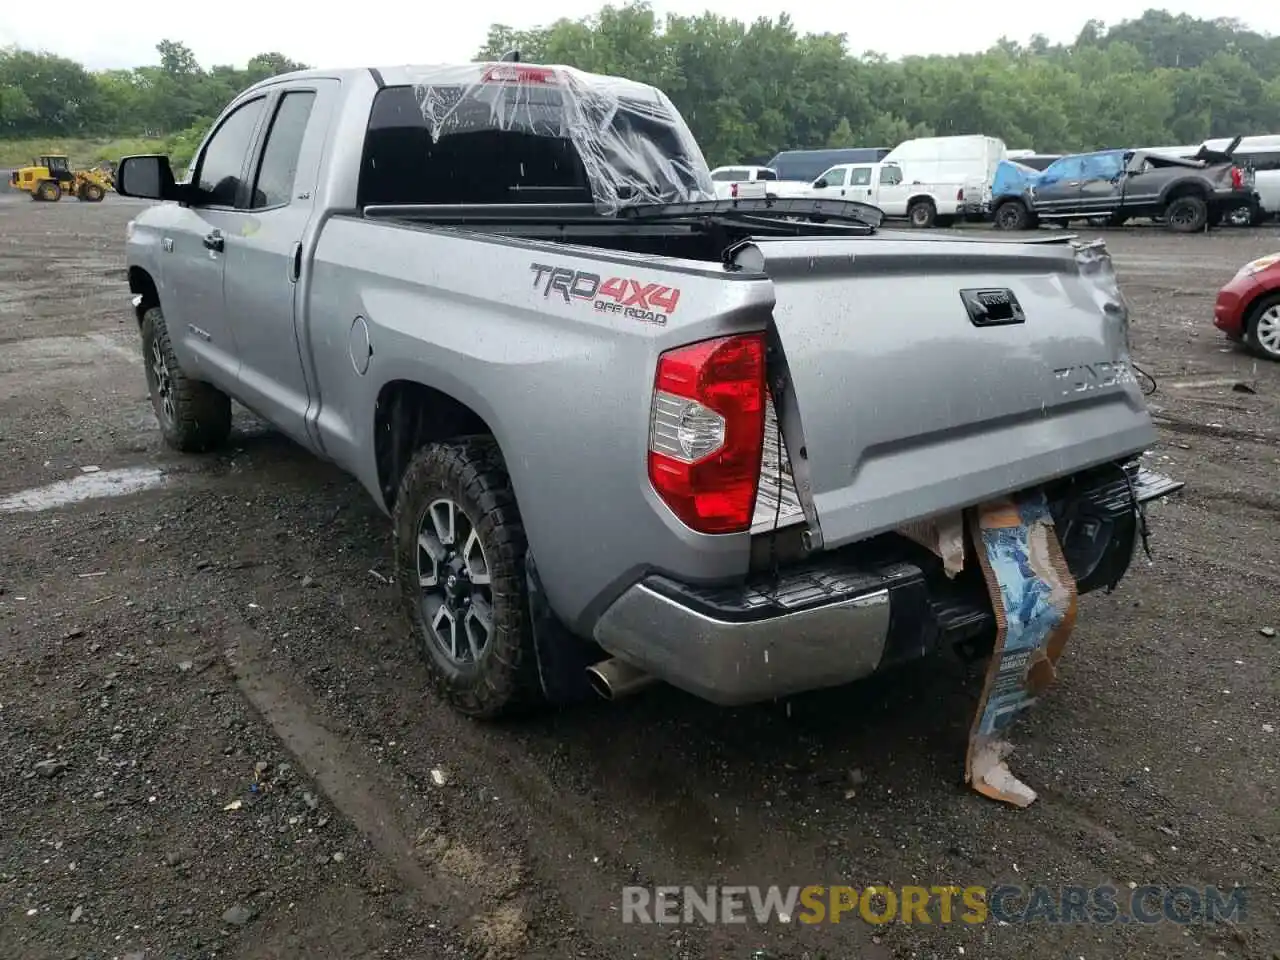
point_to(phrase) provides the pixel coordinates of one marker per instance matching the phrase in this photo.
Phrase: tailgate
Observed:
(915, 387)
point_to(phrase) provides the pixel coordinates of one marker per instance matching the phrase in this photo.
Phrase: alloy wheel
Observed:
(453, 576)
(163, 384)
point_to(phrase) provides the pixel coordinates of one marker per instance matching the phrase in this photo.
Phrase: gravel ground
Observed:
(218, 741)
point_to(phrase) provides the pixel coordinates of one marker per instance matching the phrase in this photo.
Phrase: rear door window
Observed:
(279, 165)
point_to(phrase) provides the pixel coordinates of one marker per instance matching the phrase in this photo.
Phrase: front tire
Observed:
(1011, 215)
(194, 416)
(1187, 214)
(1262, 329)
(460, 549)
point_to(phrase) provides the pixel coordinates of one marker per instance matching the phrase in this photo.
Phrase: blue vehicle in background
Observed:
(1188, 195)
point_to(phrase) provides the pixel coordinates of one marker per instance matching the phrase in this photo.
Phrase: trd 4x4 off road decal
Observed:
(633, 299)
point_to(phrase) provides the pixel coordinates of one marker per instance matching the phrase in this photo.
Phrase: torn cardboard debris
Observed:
(1034, 597)
(943, 536)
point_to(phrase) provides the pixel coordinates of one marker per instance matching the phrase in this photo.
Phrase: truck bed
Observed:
(893, 404)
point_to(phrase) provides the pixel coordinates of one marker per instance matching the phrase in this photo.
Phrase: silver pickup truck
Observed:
(625, 431)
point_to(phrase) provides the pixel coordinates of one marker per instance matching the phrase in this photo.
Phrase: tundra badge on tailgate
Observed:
(634, 299)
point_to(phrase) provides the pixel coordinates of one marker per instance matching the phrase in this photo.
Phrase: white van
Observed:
(969, 162)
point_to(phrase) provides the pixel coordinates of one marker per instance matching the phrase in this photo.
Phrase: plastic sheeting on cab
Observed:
(633, 143)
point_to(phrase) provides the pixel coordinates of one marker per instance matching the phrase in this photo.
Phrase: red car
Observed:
(1248, 307)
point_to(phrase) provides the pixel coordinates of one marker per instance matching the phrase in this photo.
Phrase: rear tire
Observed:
(467, 602)
(922, 214)
(49, 192)
(1187, 214)
(1262, 328)
(1240, 215)
(194, 416)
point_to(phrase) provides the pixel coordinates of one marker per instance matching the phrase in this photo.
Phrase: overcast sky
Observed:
(434, 31)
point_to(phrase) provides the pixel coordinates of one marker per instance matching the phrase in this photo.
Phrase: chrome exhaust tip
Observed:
(614, 679)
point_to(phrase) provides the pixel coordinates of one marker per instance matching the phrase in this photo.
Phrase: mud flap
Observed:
(1034, 596)
(562, 657)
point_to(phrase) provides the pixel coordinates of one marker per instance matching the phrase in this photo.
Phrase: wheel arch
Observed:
(1184, 188)
(409, 414)
(143, 287)
(1259, 302)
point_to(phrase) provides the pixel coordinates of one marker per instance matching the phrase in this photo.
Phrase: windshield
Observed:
(513, 133)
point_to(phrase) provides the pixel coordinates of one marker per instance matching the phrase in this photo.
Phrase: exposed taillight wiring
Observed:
(777, 392)
(1146, 376)
(1139, 513)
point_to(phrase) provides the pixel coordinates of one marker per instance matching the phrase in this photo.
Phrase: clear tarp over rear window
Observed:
(514, 133)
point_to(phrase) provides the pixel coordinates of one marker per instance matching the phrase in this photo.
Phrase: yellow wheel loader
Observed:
(49, 178)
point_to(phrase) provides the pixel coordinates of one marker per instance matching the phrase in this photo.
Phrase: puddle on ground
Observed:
(90, 486)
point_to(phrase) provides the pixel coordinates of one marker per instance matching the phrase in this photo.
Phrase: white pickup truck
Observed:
(887, 186)
(748, 182)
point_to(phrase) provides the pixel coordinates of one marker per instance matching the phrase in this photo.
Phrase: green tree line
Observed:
(750, 89)
(44, 95)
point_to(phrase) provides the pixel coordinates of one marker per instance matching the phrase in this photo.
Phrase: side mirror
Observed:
(147, 177)
(820, 183)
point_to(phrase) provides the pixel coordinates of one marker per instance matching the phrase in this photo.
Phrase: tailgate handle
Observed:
(992, 307)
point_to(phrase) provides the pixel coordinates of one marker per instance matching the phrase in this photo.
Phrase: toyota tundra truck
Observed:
(626, 432)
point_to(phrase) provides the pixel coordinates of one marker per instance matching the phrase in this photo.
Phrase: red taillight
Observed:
(960, 195)
(733, 190)
(706, 431)
(518, 73)
(1237, 178)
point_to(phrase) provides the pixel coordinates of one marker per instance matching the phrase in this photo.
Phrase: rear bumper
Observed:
(843, 615)
(1230, 199)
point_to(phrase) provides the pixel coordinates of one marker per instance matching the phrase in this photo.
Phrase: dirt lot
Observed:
(229, 635)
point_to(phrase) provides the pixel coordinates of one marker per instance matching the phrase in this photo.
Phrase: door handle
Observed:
(214, 241)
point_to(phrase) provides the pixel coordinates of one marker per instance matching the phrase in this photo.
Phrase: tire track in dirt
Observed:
(1185, 425)
(479, 898)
